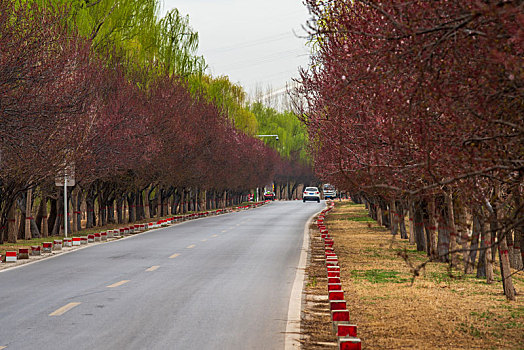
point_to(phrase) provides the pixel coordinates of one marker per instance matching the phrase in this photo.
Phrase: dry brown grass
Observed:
(437, 311)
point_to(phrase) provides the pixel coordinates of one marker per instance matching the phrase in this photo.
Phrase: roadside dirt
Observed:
(437, 310)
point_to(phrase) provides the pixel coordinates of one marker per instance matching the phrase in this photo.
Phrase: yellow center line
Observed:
(174, 256)
(238, 224)
(190, 246)
(214, 236)
(152, 268)
(63, 310)
(203, 240)
(3, 347)
(224, 231)
(118, 284)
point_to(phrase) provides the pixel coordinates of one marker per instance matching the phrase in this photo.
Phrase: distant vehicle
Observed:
(311, 194)
(269, 195)
(329, 191)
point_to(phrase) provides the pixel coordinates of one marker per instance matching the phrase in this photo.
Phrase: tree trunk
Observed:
(505, 270)
(41, 216)
(393, 218)
(147, 211)
(443, 231)
(28, 214)
(11, 224)
(74, 202)
(453, 231)
(402, 223)
(45, 228)
(418, 223)
(131, 206)
(470, 265)
(411, 214)
(379, 215)
(90, 208)
(119, 205)
(431, 227)
(489, 256)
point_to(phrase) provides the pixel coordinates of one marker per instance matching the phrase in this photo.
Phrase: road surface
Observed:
(221, 282)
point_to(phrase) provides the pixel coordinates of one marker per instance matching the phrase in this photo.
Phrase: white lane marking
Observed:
(117, 284)
(174, 256)
(191, 246)
(152, 268)
(62, 310)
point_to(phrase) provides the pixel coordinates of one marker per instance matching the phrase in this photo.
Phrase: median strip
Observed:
(117, 284)
(62, 310)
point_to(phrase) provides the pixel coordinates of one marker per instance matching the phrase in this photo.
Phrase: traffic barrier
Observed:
(90, 238)
(36, 250)
(334, 280)
(349, 343)
(76, 241)
(333, 273)
(336, 295)
(23, 253)
(334, 286)
(331, 256)
(10, 256)
(47, 247)
(57, 244)
(340, 316)
(98, 238)
(337, 305)
(84, 240)
(346, 330)
(333, 268)
(103, 236)
(68, 242)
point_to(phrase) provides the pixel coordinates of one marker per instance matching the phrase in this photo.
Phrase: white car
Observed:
(311, 194)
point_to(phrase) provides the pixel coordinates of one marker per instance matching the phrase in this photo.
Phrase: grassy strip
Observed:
(440, 309)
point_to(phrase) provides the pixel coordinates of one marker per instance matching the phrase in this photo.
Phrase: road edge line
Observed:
(294, 319)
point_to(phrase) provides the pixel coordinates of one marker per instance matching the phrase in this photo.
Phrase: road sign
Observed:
(68, 173)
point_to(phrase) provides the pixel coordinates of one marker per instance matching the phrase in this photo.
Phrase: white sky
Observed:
(251, 41)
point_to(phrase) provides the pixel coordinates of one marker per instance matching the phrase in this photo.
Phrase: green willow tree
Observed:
(292, 142)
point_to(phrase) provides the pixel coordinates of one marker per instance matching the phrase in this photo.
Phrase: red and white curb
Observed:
(345, 331)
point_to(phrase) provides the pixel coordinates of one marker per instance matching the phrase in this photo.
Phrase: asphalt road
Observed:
(221, 282)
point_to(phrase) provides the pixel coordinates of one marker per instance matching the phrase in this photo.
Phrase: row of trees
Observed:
(418, 106)
(81, 86)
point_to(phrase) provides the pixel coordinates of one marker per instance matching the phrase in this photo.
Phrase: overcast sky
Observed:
(254, 42)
